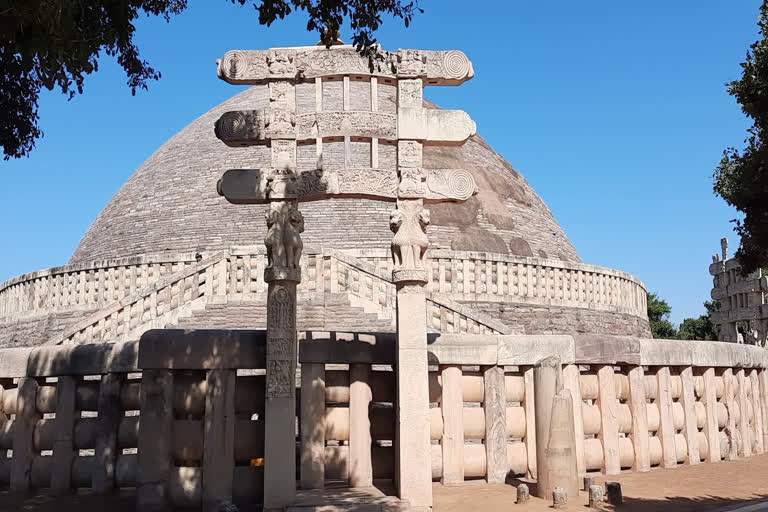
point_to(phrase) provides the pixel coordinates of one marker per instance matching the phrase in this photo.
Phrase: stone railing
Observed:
(460, 276)
(641, 403)
(72, 417)
(180, 415)
(160, 303)
(486, 277)
(87, 285)
(120, 299)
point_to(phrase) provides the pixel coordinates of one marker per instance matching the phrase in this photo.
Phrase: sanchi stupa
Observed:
(443, 325)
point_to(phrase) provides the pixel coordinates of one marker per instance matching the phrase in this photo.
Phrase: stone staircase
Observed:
(318, 312)
(226, 290)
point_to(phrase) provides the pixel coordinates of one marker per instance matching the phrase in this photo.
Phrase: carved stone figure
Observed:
(411, 182)
(280, 62)
(409, 245)
(292, 238)
(274, 239)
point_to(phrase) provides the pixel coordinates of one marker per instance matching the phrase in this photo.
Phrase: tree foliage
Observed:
(700, 328)
(658, 317)
(742, 176)
(56, 44)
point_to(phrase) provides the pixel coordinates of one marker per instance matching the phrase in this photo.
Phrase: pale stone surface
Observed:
(523, 494)
(63, 443)
(495, 407)
(529, 404)
(312, 426)
(571, 379)
(711, 424)
(413, 466)
(452, 442)
(548, 381)
(219, 439)
(106, 438)
(609, 431)
(528, 350)
(560, 470)
(595, 496)
(24, 426)
(730, 405)
(666, 431)
(360, 467)
(757, 407)
(746, 434)
(153, 477)
(559, 497)
(638, 408)
(690, 430)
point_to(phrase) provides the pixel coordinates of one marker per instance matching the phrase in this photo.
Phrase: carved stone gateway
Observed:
(409, 185)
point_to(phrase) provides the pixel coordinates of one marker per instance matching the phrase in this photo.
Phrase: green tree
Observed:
(742, 176)
(658, 318)
(700, 328)
(56, 44)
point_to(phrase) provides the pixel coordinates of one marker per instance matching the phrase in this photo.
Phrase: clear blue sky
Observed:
(615, 112)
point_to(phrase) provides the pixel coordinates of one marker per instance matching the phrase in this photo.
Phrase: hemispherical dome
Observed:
(170, 203)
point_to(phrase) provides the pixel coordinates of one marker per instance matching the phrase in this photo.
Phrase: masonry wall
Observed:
(539, 319)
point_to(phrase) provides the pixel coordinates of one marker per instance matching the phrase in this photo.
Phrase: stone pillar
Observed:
(746, 437)
(561, 447)
(495, 408)
(312, 426)
(572, 383)
(280, 401)
(106, 435)
(639, 410)
(219, 438)
(548, 381)
(154, 468)
(666, 431)
(609, 428)
(710, 425)
(452, 406)
(763, 380)
(63, 443)
(690, 429)
(529, 404)
(757, 407)
(730, 405)
(360, 468)
(413, 471)
(23, 438)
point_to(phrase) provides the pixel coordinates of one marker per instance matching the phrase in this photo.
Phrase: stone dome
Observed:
(170, 203)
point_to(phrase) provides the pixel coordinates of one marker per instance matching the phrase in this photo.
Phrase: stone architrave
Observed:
(410, 186)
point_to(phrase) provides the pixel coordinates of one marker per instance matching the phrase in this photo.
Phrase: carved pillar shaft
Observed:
(282, 276)
(280, 400)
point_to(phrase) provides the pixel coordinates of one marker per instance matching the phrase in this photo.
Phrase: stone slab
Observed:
(595, 348)
(91, 359)
(468, 349)
(666, 352)
(348, 348)
(529, 350)
(202, 349)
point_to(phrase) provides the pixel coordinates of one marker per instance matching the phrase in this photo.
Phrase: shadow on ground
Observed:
(686, 504)
(49, 502)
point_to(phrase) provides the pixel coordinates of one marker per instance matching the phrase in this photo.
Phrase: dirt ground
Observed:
(706, 487)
